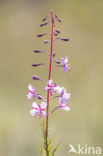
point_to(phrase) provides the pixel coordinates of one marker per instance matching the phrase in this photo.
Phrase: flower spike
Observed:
(41, 105)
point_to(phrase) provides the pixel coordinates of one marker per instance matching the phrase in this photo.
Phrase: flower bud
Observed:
(58, 31)
(46, 41)
(41, 25)
(57, 18)
(36, 65)
(36, 78)
(41, 35)
(44, 18)
(63, 39)
(38, 51)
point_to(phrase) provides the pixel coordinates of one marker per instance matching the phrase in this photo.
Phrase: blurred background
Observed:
(20, 133)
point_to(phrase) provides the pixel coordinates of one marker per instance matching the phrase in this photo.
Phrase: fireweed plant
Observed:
(41, 107)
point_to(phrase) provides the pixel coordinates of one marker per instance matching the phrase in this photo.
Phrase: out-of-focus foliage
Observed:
(19, 24)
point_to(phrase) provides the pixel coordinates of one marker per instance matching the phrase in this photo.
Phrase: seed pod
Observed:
(36, 65)
(57, 18)
(36, 78)
(44, 18)
(41, 25)
(38, 51)
(41, 35)
(63, 39)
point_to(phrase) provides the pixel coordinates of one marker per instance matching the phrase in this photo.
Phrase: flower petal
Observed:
(35, 105)
(44, 113)
(66, 108)
(29, 96)
(43, 105)
(58, 89)
(62, 61)
(33, 112)
(50, 82)
(68, 96)
(66, 59)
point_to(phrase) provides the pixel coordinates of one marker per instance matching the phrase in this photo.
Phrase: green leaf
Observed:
(50, 146)
(52, 140)
(41, 150)
(45, 152)
(56, 148)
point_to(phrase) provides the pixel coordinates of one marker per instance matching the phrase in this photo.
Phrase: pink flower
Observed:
(50, 87)
(64, 106)
(58, 89)
(65, 66)
(38, 109)
(63, 100)
(32, 92)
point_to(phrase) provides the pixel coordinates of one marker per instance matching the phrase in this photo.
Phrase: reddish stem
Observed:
(49, 77)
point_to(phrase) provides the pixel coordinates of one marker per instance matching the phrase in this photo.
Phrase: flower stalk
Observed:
(49, 76)
(42, 106)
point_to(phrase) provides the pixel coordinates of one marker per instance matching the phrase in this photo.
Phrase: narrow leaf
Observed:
(55, 149)
(52, 140)
(41, 150)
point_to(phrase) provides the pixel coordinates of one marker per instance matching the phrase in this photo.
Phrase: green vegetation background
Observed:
(19, 25)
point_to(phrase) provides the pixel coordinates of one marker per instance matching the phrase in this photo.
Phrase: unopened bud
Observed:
(38, 51)
(36, 78)
(44, 18)
(41, 25)
(63, 39)
(57, 18)
(41, 35)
